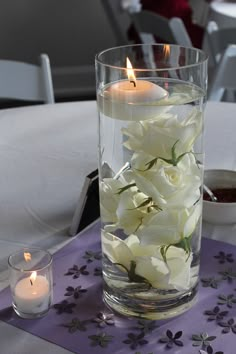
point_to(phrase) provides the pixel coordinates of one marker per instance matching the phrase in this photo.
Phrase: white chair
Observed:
(200, 10)
(172, 31)
(26, 82)
(218, 39)
(223, 86)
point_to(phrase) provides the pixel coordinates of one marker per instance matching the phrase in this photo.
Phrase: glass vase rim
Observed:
(36, 269)
(193, 49)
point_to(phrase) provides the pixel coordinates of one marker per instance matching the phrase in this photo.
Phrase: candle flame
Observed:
(130, 72)
(166, 50)
(27, 256)
(33, 277)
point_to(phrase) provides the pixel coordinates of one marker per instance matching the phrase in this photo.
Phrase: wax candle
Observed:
(132, 99)
(32, 294)
(139, 91)
(30, 276)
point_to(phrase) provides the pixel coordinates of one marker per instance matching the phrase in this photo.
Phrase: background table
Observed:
(46, 151)
(223, 13)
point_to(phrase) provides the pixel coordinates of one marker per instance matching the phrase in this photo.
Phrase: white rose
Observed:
(175, 273)
(170, 226)
(155, 270)
(109, 199)
(179, 265)
(169, 186)
(125, 209)
(157, 137)
(116, 249)
(130, 213)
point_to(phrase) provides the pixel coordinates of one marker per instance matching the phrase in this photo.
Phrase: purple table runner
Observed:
(81, 323)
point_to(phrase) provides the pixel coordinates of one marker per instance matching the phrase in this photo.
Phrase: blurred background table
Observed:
(223, 13)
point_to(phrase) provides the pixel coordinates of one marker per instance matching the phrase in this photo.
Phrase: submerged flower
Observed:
(147, 263)
(155, 202)
(109, 199)
(157, 138)
(124, 206)
(169, 186)
(130, 212)
(170, 226)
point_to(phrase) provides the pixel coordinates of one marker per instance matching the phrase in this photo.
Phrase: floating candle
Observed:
(143, 92)
(132, 99)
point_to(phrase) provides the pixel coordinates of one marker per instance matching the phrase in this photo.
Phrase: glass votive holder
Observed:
(30, 276)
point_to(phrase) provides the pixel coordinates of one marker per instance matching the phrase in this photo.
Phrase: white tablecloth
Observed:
(45, 153)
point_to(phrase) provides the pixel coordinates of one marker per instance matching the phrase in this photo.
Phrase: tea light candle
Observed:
(30, 276)
(132, 99)
(32, 294)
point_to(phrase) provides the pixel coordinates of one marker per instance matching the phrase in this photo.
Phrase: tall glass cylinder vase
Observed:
(151, 102)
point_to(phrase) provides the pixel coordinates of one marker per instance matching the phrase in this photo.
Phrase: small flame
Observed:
(130, 72)
(27, 256)
(33, 277)
(166, 50)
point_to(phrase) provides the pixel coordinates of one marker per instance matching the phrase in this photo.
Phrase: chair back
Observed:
(170, 31)
(26, 82)
(223, 87)
(180, 33)
(119, 20)
(218, 39)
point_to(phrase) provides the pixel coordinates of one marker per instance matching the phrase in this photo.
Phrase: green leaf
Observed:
(123, 189)
(146, 202)
(151, 163)
(174, 160)
(185, 244)
(149, 203)
(133, 277)
(163, 253)
(181, 156)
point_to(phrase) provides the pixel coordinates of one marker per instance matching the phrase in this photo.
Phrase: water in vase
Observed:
(151, 199)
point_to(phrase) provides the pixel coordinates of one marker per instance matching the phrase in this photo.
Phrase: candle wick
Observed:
(133, 82)
(31, 282)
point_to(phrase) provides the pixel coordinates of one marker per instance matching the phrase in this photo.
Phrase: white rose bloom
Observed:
(139, 250)
(109, 199)
(157, 137)
(130, 216)
(179, 265)
(170, 226)
(116, 249)
(126, 210)
(169, 186)
(174, 274)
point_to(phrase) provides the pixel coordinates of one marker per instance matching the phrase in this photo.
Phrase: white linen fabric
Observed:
(45, 153)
